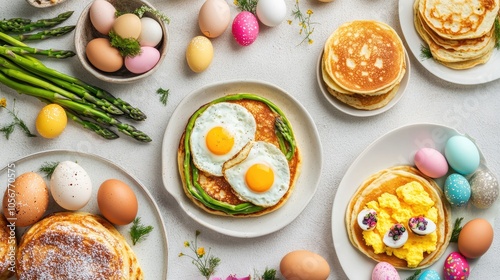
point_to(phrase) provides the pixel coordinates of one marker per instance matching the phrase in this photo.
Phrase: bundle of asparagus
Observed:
(90, 106)
(22, 26)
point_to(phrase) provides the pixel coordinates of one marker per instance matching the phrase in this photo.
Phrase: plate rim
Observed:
(358, 112)
(435, 68)
(119, 168)
(243, 83)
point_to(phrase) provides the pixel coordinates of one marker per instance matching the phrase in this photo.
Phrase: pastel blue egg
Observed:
(457, 190)
(462, 154)
(429, 275)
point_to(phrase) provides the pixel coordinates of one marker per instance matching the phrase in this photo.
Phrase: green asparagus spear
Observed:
(45, 34)
(15, 27)
(79, 108)
(95, 127)
(46, 52)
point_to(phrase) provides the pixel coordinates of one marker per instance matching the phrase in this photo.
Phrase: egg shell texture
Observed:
(271, 12)
(117, 202)
(245, 28)
(102, 16)
(431, 162)
(462, 154)
(304, 265)
(143, 62)
(457, 190)
(456, 267)
(484, 188)
(103, 56)
(27, 200)
(199, 54)
(214, 18)
(385, 271)
(70, 185)
(429, 275)
(151, 32)
(475, 238)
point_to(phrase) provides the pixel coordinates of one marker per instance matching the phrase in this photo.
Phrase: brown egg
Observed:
(128, 26)
(26, 199)
(117, 202)
(475, 238)
(103, 56)
(304, 265)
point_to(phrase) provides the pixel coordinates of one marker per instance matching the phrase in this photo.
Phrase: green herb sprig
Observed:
(425, 52)
(163, 95)
(497, 33)
(48, 168)
(138, 231)
(127, 46)
(456, 230)
(246, 5)
(144, 9)
(305, 23)
(415, 275)
(7, 130)
(205, 262)
(269, 274)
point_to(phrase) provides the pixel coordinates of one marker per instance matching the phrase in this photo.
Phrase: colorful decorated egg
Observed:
(384, 271)
(456, 267)
(462, 154)
(429, 275)
(431, 162)
(457, 190)
(484, 188)
(245, 28)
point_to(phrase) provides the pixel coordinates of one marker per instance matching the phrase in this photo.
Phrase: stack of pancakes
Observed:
(363, 64)
(7, 246)
(387, 181)
(70, 245)
(460, 34)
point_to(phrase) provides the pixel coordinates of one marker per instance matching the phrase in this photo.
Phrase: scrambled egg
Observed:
(411, 200)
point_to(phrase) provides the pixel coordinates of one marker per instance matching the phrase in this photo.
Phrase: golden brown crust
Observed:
(388, 180)
(75, 245)
(7, 245)
(218, 188)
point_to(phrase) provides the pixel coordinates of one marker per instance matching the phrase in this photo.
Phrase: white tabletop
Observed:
(276, 57)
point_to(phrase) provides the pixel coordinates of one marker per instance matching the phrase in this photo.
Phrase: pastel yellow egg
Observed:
(51, 121)
(128, 26)
(199, 53)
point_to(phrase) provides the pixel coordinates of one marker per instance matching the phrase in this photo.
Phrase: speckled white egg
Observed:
(70, 186)
(484, 188)
(271, 12)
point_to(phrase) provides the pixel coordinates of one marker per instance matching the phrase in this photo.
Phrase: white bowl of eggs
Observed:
(117, 45)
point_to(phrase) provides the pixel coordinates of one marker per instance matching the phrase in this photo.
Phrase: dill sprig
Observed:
(414, 275)
(246, 5)
(205, 262)
(48, 168)
(163, 95)
(456, 230)
(7, 130)
(306, 28)
(269, 274)
(144, 9)
(138, 231)
(425, 52)
(497, 33)
(126, 46)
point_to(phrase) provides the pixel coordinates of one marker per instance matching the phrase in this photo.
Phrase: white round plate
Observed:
(477, 75)
(307, 141)
(397, 147)
(357, 112)
(151, 252)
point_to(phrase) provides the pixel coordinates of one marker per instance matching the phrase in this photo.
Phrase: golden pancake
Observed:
(213, 193)
(7, 249)
(364, 56)
(388, 182)
(75, 245)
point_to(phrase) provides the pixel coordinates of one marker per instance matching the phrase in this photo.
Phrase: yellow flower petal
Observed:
(200, 251)
(3, 102)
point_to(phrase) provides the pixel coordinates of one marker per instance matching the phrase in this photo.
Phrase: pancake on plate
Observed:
(363, 64)
(396, 195)
(459, 34)
(238, 157)
(7, 245)
(75, 245)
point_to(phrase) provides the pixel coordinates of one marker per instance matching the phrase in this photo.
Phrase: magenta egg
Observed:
(456, 267)
(245, 28)
(431, 162)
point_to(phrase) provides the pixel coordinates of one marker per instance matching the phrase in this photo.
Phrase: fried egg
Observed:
(259, 174)
(219, 133)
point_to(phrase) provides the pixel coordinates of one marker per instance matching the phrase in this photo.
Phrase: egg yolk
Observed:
(259, 177)
(219, 141)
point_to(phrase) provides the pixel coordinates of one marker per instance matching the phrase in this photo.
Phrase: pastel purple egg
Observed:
(143, 62)
(245, 28)
(456, 267)
(385, 271)
(431, 162)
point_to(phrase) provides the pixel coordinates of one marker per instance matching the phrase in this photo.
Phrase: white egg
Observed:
(271, 12)
(396, 236)
(70, 186)
(219, 133)
(367, 219)
(151, 32)
(259, 174)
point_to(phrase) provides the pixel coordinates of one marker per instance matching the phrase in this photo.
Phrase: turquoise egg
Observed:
(462, 154)
(429, 275)
(457, 190)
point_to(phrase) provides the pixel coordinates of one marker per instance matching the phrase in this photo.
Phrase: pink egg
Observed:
(245, 28)
(456, 267)
(143, 62)
(431, 162)
(385, 271)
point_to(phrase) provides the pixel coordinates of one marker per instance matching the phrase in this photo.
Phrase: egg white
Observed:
(270, 155)
(234, 118)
